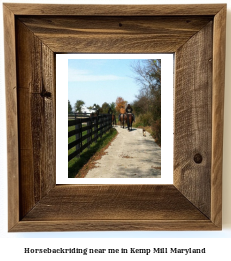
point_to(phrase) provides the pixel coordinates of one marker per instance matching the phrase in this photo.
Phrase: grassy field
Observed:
(76, 164)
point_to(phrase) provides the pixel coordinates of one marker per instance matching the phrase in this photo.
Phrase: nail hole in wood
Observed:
(46, 94)
(198, 158)
(120, 24)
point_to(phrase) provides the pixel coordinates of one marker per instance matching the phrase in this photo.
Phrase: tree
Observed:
(78, 105)
(113, 107)
(148, 72)
(120, 102)
(105, 107)
(140, 105)
(149, 78)
(148, 101)
(69, 108)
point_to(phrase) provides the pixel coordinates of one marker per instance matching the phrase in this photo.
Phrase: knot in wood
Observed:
(198, 158)
(45, 94)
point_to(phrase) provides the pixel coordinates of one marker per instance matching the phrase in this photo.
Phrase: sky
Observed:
(101, 80)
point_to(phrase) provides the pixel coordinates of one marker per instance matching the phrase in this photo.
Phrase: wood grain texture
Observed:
(218, 114)
(193, 126)
(114, 207)
(114, 225)
(12, 114)
(48, 179)
(115, 10)
(194, 201)
(35, 63)
(113, 202)
(115, 34)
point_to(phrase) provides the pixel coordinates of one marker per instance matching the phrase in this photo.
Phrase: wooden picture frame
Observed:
(33, 34)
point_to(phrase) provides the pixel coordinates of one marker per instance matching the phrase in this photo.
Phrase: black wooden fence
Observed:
(95, 127)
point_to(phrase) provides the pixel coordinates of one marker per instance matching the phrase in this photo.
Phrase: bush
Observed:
(146, 119)
(156, 131)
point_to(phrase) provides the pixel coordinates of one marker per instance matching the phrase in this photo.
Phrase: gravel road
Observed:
(130, 155)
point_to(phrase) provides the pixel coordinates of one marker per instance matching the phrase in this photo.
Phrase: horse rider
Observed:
(95, 110)
(130, 110)
(122, 111)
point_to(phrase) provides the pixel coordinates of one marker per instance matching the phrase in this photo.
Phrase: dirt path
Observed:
(130, 156)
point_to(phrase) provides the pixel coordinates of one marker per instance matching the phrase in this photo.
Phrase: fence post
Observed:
(78, 135)
(110, 121)
(89, 131)
(106, 123)
(101, 126)
(96, 128)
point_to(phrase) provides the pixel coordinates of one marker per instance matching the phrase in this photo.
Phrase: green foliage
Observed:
(76, 164)
(146, 119)
(156, 129)
(78, 105)
(140, 106)
(69, 108)
(105, 107)
(113, 107)
(148, 102)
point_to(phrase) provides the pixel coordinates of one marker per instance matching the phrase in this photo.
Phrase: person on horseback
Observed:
(122, 111)
(130, 110)
(95, 111)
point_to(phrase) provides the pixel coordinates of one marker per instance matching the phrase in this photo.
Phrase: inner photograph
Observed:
(120, 118)
(114, 118)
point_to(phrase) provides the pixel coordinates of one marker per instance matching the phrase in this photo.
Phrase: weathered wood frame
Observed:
(33, 34)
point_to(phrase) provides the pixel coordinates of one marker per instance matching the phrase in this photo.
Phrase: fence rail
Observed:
(78, 115)
(95, 127)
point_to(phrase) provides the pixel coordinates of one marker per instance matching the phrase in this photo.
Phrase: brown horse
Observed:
(123, 118)
(113, 119)
(94, 114)
(129, 121)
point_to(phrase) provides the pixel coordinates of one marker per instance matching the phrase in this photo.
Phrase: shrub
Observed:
(156, 131)
(146, 119)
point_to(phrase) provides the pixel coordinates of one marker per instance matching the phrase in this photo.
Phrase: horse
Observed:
(113, 119)
(94, 114)
(129, 121)
(123, 118)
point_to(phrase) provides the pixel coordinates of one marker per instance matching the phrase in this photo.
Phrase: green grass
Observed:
(72, 138)
(76, 164)
(138, 124)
